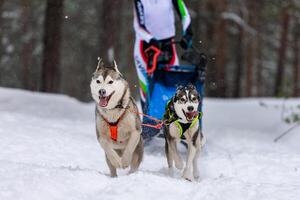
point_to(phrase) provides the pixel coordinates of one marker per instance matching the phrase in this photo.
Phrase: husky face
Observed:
(108, 86)
(186, 103)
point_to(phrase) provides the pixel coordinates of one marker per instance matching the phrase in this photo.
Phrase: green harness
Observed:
(170, 117)
(183, 128)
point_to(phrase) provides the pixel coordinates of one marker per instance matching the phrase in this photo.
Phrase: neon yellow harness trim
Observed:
(179, 126)
(191, 126)
(170, 118)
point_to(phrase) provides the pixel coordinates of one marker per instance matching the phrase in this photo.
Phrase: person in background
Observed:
(154, 25)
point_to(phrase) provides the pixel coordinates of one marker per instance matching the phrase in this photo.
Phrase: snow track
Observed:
(48, 150)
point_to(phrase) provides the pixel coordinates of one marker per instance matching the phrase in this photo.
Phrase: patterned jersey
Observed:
(155, 18)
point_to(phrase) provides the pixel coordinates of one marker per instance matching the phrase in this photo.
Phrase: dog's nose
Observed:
(190, 108)
(102, 92)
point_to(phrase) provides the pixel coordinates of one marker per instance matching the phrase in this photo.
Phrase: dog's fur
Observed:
(184, 107)
(114, 104)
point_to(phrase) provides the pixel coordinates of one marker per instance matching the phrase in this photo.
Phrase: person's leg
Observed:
(141, 66)
(175, 60)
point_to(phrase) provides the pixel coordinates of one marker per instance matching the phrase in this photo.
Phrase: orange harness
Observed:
(113, 127)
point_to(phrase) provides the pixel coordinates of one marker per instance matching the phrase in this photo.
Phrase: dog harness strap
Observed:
(113, 132)
(196, 119)
(169, 115)
(113, 127)
(182, 128)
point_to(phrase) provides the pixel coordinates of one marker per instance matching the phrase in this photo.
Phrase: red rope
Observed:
(157, 126)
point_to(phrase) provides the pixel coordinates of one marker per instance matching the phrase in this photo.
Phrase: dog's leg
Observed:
(130, 148)
(173, 139)
(175, 154)
(137, 157)
(112, 155)
(169, 154)
(198, 138)
(188, 171)
(113, 170)
(168, 150)
(195, 164)
(199, 141)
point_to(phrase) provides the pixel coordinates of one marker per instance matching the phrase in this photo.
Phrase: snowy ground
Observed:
(48, 150)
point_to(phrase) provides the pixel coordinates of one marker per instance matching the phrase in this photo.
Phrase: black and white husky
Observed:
(118, 125)
(182, 122)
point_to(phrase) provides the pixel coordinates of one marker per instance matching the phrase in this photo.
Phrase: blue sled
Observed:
(163, 86)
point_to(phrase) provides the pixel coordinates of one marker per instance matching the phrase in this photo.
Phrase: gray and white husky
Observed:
(182, 122)
(118, 125)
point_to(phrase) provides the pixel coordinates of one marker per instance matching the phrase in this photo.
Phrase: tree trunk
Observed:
(109, 30)
(52, 42)
(259, 26)
(27, 41)
(251, 46)
(122, 38)
(1, 6)
(250, 63)
(239, 63)
(259, 67)
(221, 43)
(210, 18)
(197, 20)
(285, 20)
(296, 52)
(1, 27)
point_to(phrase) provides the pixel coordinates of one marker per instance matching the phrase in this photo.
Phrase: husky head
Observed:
(186, 102)
(108, 87)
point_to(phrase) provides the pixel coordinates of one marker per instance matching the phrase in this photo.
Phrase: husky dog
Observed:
(118, 125)
(182, 122)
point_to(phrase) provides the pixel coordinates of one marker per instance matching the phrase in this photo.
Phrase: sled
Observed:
(164, 79)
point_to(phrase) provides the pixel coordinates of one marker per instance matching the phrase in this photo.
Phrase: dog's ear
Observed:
(100, 64)
(174, 99)
(115, 67)
(190, 86)
(180, 87)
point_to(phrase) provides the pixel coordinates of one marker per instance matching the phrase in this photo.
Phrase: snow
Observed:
(49, 151)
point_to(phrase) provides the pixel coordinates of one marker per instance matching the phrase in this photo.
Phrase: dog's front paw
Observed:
(125, 161)
(116, 163)
(188, 175)
(179, 164)
(196, 173)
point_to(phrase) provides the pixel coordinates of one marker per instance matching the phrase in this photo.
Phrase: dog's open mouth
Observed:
(105, 99)
(190, 115)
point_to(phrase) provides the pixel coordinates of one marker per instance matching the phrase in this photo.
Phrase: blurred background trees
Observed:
(53, 45)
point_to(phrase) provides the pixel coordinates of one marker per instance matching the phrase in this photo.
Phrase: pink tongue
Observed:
(191, 115)
(103, 102)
